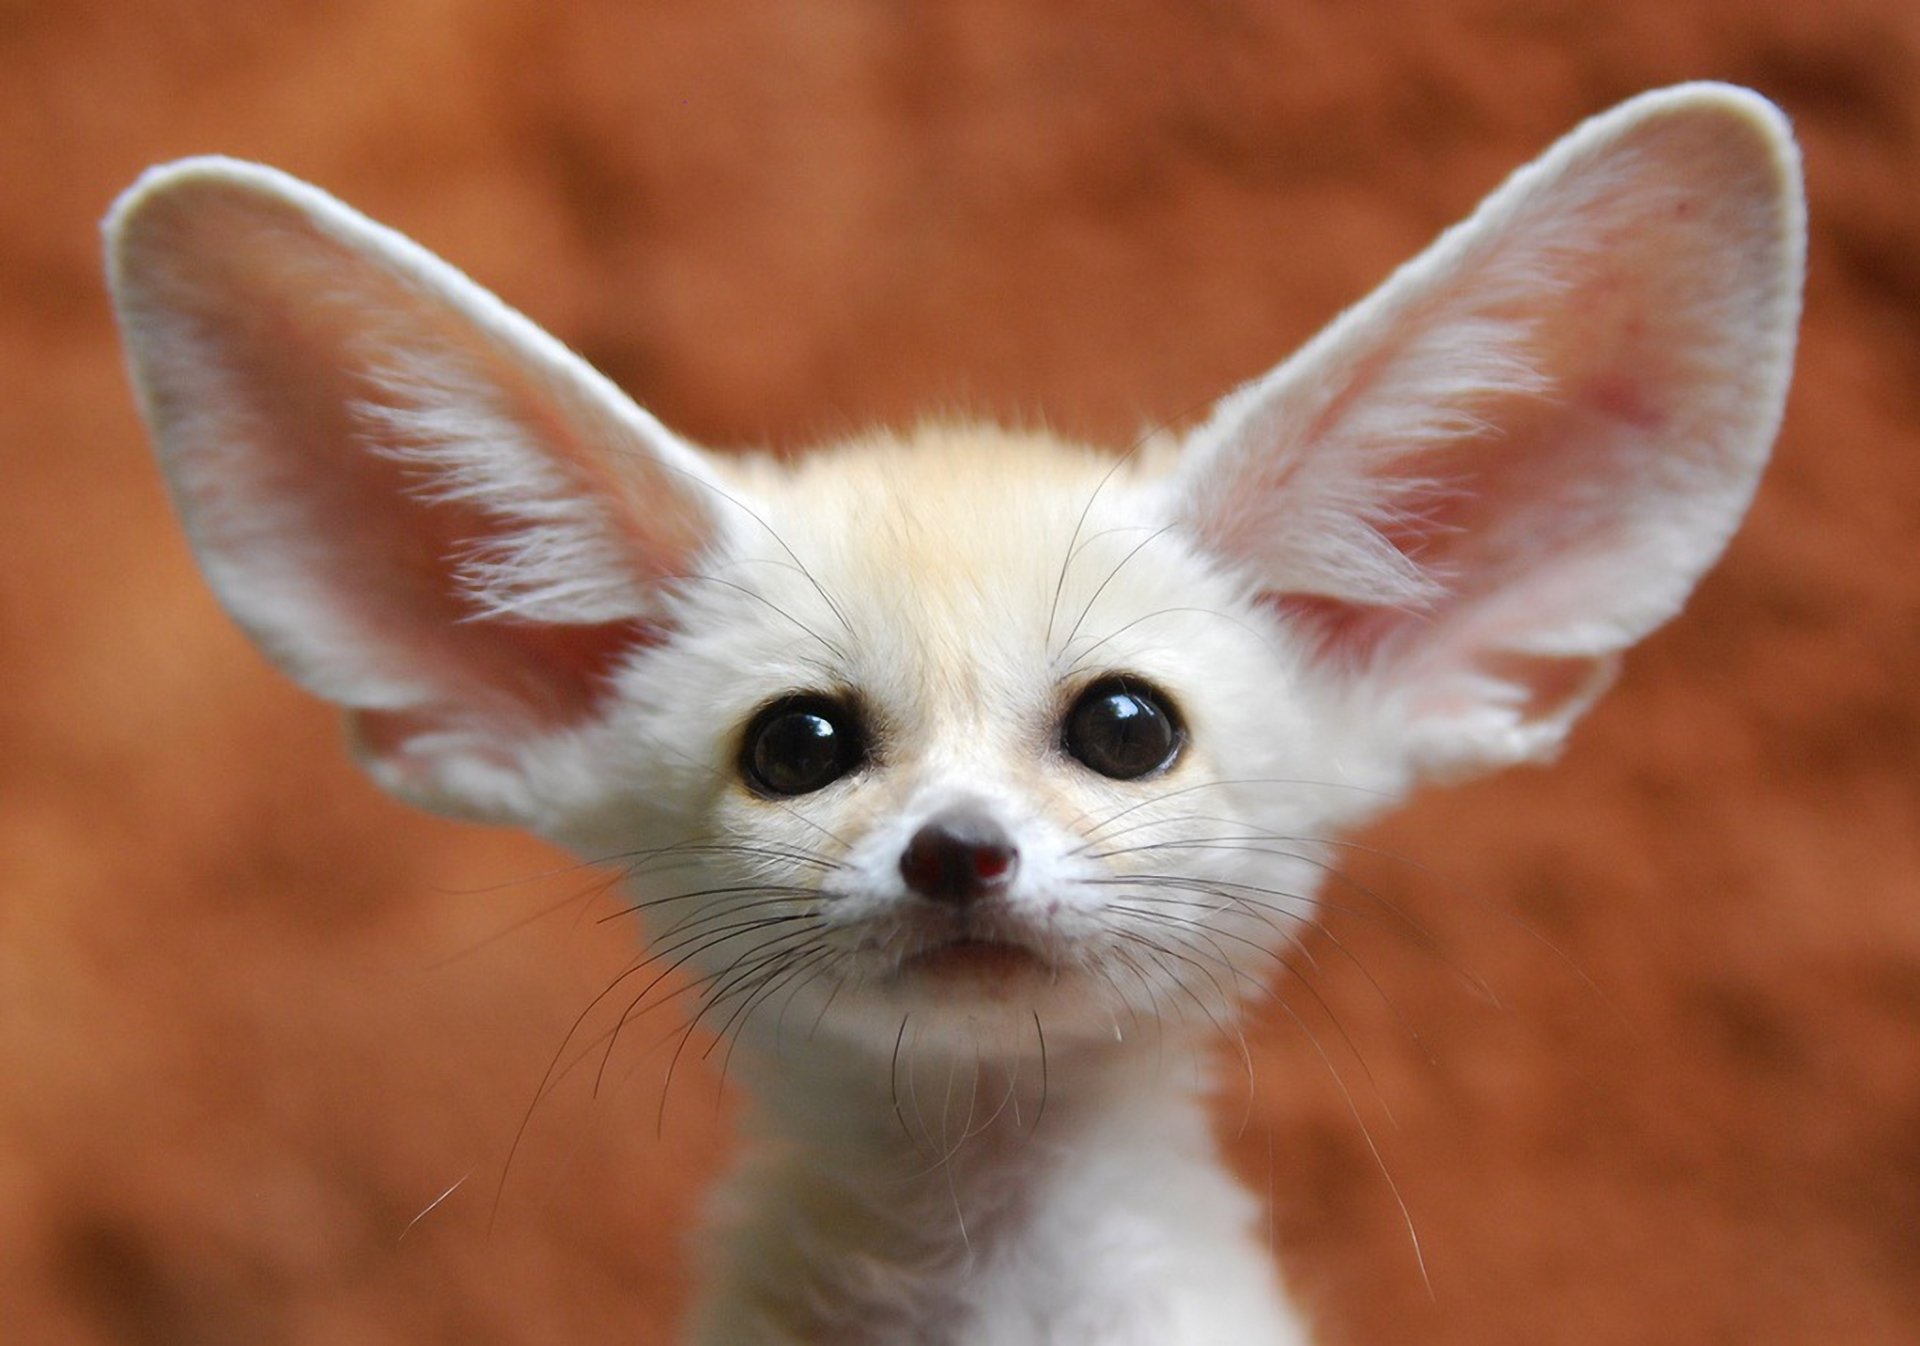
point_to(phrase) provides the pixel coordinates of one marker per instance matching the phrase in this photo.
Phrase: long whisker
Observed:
(772, 951)
(722, 890)
(677, 954)
(1087, 653)
(1425, 937)
(1366, 1135)
(697, 846)
(893, 1077)
(748, 591)
(1041, 1109)
(789, 965)
(1299, 977)
(713, 488)
(1153, 431)
(1113, 574)
(708, 941)
(586, 896)
(1149, 801)
(1066, 560)
(1159, 953)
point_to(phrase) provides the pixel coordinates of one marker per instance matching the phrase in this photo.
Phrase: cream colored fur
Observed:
(1414, 550)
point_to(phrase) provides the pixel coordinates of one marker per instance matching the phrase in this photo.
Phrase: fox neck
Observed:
(945, 1196)
(911, 1114)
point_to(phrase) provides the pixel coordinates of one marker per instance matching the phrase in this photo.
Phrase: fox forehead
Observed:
(954, 568)
(966, 511)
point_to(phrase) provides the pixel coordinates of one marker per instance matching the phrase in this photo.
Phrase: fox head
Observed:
(965, 718)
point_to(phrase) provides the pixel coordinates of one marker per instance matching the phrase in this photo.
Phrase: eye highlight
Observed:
(800, 744)
(1123, 728)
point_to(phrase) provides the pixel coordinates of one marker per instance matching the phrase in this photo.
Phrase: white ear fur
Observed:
(1517, 457)
(419, 504)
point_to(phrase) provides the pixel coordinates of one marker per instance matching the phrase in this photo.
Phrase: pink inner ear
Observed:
(1343, 634)
(313, 520)
(565, 676)
(422, 507)
(569, 669)
(1619, 395)
(1486, 480)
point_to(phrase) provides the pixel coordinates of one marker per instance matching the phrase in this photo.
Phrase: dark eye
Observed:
(1123, 728)
(801, 744)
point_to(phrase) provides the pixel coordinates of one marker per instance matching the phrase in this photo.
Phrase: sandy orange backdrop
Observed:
(254, 1019)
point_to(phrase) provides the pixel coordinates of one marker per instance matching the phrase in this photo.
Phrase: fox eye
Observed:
(800, 744)
(1123, 728)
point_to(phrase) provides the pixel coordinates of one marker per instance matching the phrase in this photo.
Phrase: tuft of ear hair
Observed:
(1517, 457)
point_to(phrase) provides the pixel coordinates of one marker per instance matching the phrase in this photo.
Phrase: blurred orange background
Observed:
(255, 1019)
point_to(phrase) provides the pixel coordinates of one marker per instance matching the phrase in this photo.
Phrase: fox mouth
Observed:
(975, 957)
(985, 944)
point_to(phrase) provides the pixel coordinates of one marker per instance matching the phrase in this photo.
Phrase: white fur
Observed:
(1414, 549)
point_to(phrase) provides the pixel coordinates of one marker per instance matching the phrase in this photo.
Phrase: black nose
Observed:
(959, 856)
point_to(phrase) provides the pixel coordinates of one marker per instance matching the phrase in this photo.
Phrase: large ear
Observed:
(1478, 486)
(419, 504)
